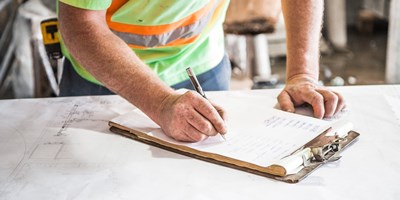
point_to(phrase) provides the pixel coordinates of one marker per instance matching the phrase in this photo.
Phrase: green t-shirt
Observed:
(168, 35)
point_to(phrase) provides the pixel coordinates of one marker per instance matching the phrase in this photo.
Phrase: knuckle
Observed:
(205, 127)
(280, 95)
(190, 117)
(292, 91)
(208, 111)
(317, 99)
(330, 113)
(196, 137)
(190, 95)
(203, 107)
(332, 98)
(187, 128)
(191, 134)
(281, 98)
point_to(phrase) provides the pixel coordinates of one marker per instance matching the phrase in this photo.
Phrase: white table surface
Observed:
(61, 148)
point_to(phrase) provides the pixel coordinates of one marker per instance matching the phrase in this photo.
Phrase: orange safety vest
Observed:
(168, 44)
(180, 32)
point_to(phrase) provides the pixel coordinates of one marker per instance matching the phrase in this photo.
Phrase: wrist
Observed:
(305, 65)
(302, 77)
(161, 103)
(149, 99)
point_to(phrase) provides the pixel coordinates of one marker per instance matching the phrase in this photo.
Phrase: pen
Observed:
(195, 82)
(197, 86)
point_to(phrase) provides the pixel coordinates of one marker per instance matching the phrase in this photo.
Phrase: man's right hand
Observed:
(190, 117)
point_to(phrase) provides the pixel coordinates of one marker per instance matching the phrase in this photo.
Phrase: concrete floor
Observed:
(365, 59)
(362, 63)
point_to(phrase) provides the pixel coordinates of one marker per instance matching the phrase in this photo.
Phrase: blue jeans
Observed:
(72, 84)
(217, 78)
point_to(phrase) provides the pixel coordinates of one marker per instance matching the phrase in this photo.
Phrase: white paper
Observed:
(294, 163)
(94, 163)
(394, 103)
(257, 134)
(43, 138)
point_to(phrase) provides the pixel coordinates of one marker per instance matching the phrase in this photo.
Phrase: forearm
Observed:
(303, 19)
(112, 62)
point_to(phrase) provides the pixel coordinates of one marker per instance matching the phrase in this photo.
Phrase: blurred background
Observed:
(360, 45)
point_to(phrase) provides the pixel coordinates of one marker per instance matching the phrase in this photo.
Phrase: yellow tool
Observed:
(50, 38)
(53, 64)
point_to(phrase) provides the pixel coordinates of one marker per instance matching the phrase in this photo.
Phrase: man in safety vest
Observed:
(140, 50)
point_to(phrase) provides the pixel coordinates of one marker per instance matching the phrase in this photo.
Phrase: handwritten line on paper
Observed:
(281, 122)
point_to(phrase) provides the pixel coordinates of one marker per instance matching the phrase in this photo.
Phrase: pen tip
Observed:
(223, 136)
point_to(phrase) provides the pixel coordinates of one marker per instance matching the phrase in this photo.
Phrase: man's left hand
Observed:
(302, 89)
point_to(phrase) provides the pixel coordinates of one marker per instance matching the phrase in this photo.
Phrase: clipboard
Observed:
(326, 147)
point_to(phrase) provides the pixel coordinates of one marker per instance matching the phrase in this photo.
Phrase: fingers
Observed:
(223, 115)
(316, 100)
(191, 134)
(201, 124)
(191, 118)
(285, 102)
(188, 134)
(220, 111)
(205, 108)
(325, 103)
(341, 103)
(330, 102)
(333, 102)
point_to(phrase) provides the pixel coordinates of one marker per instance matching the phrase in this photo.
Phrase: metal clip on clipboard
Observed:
(329, 144)
(323, 149)
(326, 153)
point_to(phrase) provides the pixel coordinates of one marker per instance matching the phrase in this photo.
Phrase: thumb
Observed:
(285, 102)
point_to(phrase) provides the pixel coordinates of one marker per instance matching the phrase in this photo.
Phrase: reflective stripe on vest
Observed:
(184, 31)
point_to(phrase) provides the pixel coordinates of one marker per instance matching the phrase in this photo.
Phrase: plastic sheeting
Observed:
(26, 35)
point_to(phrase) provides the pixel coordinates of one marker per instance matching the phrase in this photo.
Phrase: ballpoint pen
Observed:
(197, 86)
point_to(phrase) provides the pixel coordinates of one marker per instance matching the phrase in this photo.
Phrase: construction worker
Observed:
(140, 50)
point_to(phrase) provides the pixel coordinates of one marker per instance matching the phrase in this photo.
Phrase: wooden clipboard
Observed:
(275, 172)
